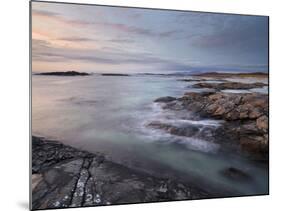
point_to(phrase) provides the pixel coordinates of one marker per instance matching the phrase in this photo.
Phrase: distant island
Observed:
(224, 74)
(67, 73)
(114, 74)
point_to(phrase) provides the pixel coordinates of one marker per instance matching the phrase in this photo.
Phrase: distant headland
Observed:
(67, 73)
(229, 74)
(114, 74)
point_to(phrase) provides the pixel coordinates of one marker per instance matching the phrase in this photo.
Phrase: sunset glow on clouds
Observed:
(113, 39)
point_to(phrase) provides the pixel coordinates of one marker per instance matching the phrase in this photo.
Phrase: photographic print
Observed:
(135, 105)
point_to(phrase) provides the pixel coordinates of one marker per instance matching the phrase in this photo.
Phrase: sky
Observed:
(90, 38)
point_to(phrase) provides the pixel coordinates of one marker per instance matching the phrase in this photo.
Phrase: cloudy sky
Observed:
(112, 39)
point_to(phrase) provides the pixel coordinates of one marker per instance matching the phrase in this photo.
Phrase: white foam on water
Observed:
(207, 122)
(248, 80)
(189, 142)
(178, 117)
(199, 144)
(158, 114)
(263, 90)
(236, 91)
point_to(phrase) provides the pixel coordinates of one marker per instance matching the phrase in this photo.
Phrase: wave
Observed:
(155, 113)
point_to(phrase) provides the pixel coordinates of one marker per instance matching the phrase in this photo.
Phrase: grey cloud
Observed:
(76, 39)
(121, 40)
(135, 15)
(241, 32)
(44, 13)
(116, 26)
(43, 51)
(169, 33)
(85, 39)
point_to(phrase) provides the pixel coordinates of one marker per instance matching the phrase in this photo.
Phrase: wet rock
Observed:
(228, 106)
(187, 130)
(36, 179)
(255, 143)
(248, 127)
(165, 99)
(174, 105)
(78, 195)
(236, 174)
(262, 123)
(46, 153)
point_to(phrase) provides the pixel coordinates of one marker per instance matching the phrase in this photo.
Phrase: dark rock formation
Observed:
(245, 118)
(46, 153)
(236, 174)
(186, 130)
(63, 176)
(165, 99)
(200, 79)
(229, 85)
(192, 80)
(67, 73)
(228, 106)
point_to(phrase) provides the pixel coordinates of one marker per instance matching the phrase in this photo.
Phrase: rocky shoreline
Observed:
(63, 176)
(244, 116)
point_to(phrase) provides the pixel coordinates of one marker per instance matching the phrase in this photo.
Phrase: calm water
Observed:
(108, 114)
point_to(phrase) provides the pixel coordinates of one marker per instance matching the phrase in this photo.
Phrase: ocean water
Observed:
(109, 115)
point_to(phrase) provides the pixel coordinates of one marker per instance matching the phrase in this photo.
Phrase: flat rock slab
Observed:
(67, 177)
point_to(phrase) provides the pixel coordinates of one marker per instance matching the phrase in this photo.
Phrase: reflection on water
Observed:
(109, 114)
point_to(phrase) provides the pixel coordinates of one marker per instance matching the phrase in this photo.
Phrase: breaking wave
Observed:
(155, 113)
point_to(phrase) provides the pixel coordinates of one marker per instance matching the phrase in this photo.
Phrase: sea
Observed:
(109, 115)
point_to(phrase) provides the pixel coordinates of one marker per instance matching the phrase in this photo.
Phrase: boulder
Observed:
(165, 99)
(236, 174)
(187, 130)
(257, 144)
(262, 123)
